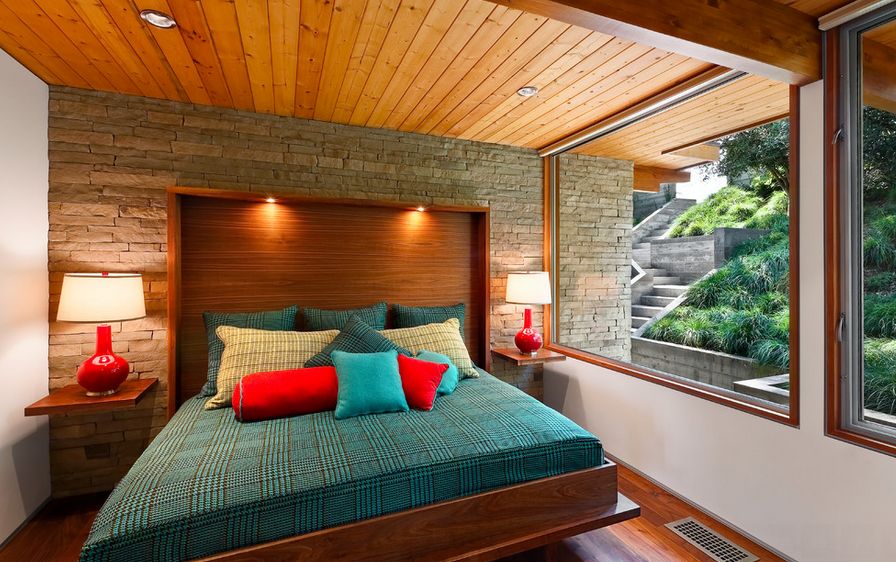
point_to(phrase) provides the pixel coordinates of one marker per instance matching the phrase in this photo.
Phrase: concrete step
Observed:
(667, 281)
(652, 238)
(638, 321)
(669, 290)
(643, 310)
(656, 300)
(656, 272)
(642, 256)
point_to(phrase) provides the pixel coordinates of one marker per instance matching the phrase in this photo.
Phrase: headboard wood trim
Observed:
(398, 246)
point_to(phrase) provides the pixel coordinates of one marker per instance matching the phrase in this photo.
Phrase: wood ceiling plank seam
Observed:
(444, 14)
(252, 16)
(499, 107)
(163, 84)
(411, 14)
(646, 131)
(554, 92)
(314, 36)
(32, 44)
(59, 42)
(172, 45)
(370, 39)
(609, 74)
(471, 19)
(224, 29)
(667, 72)
(488, 35)
(497, 87)
(91, 47)
(525, 35)
(344, 27)
(728, 132)
(12, 47)
(284, 20)
(200, 45)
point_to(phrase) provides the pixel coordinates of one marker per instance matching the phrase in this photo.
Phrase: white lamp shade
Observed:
(101, 297)
(530, 287)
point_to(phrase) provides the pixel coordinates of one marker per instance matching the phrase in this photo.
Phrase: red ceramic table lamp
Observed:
(102, 298)
(528, 288)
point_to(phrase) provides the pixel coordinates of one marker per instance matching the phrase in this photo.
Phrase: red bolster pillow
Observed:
(280, 394)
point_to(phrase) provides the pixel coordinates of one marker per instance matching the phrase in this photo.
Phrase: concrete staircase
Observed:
(661, 287)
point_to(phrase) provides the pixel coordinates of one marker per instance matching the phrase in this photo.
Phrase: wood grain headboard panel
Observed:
(232, 251)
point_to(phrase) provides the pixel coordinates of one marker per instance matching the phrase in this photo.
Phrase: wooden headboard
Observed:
(233, 251)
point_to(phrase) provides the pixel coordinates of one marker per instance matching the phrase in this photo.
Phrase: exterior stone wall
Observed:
(111, 158)
(595, 255)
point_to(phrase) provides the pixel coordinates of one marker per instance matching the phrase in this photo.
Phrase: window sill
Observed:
(723, 397)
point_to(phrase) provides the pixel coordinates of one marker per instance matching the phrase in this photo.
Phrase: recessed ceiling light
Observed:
(271, 200)
(527, 91)
(158, 19)
(421, 208)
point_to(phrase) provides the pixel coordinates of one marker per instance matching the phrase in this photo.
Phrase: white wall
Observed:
(811, 497)
(24, 442)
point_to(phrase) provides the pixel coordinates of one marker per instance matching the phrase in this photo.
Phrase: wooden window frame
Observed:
(838, 417)
(789, 416)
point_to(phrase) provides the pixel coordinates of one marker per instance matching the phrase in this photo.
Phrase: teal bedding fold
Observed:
(209, 483)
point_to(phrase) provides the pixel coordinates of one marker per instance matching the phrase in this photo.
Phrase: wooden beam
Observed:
(650, 179)
(756, 36)
(739, 129)
(879, 75)
(703, 151)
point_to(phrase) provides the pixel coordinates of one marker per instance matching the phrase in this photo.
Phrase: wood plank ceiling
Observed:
(441, 67)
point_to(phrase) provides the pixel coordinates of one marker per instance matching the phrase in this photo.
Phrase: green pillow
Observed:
(356, 337)
(369, 383)
(317, 319)
(450, 378)
(273, 320)
(413, 316)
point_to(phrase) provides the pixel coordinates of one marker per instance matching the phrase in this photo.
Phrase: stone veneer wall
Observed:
(595, 255)
(111, 158)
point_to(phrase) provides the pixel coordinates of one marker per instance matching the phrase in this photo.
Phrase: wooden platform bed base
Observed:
(482, 527)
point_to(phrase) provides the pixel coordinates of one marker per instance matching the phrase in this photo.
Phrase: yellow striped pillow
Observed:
(247, 351)
(441, 338)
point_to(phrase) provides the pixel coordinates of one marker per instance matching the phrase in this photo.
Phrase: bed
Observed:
(488, 473)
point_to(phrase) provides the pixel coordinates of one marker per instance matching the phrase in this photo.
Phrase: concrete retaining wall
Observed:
(646, 202)
(692, 256)
(710, 367)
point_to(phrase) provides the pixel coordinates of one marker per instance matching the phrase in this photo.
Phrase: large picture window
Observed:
(865, 330)
(672, 249)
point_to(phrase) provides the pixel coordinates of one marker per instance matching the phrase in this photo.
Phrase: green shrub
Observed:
(880, 315)
(728, 207)
(880, 282)
(880, 375)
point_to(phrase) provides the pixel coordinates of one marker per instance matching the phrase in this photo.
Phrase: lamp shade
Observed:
(529, 287)
(101, 297)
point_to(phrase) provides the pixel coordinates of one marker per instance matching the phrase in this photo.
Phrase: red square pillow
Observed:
(420, 379)
(280, 394)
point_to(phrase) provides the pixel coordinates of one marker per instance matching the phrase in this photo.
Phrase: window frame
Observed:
(844, 297)
(789, 416)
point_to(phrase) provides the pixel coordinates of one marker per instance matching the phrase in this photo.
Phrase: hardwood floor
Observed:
(59, 530)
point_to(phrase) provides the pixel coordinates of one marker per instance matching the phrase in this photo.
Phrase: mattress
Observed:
(209, 483)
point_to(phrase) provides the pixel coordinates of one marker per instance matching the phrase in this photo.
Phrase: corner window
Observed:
(671, 244)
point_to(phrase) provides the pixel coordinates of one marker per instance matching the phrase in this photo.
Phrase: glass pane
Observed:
(690, 280)
(878, 226)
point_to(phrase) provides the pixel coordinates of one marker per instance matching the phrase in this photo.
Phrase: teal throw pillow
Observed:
(450, 378)
(413, 316)
(273, 320)
(317, 319)
(369, 383)
(356, 337)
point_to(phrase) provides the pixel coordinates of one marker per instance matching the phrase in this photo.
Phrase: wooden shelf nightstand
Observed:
(514, 355)
(72, 399)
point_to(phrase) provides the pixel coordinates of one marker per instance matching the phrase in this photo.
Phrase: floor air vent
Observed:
(713, 544)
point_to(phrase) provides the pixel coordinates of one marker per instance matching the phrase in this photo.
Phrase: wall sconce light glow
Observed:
(527, 91)
(421, 208)
(270, 200)
(158, 19)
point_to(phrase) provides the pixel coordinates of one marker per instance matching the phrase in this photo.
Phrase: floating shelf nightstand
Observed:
(72, 399)
(514, 355)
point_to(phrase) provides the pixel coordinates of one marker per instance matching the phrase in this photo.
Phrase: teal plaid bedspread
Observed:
(209, 483)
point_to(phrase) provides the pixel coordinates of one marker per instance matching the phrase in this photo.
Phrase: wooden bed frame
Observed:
(231, 251)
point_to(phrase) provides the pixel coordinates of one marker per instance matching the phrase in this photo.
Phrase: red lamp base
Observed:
(103, 373)
(528, 340)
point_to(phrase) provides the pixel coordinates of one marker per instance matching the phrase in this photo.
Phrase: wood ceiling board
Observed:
(220, 15)
(313, 40)
(878, 75)
(708, 152)
(345, 24)
(253, 19)
(747, 100)
(815, 8)
(756, 36)
(284, 20)
(884, 34)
